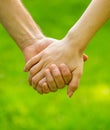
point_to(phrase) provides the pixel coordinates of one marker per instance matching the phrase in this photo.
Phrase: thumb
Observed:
(73, 85)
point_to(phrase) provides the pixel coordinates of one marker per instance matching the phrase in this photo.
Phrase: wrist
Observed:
(76, 41)
(29, 41)
(30, 47)
(36, 46)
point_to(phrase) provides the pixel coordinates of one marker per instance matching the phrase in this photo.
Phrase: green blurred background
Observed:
(22, 108)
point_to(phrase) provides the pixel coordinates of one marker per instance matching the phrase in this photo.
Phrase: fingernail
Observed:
(25, 70)
(70, 94)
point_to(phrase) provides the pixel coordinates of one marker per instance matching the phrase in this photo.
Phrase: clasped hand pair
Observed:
(53, 65)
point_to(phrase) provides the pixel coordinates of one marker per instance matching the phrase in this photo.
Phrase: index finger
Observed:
(34, 60)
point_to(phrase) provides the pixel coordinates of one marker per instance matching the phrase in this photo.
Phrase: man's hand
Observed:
(34, 49)
(56, 54)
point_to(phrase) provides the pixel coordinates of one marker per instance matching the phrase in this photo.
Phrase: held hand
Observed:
(57, 53)
(57, 77)
(35, 48)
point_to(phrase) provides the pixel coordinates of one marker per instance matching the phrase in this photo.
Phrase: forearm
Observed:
(91, 21)
(18, 22)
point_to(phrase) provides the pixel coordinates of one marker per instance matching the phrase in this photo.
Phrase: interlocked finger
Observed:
(66, 73)
(50, 81)
(57, 76)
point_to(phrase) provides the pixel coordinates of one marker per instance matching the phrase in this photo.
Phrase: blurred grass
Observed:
(21, 108)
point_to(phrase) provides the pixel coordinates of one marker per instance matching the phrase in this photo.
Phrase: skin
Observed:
(21, 27)
(26, 33)
(69, 50)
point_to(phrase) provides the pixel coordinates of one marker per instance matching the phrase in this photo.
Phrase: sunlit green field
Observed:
(22, 108)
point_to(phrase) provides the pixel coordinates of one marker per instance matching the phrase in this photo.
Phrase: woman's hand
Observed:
(55, 54)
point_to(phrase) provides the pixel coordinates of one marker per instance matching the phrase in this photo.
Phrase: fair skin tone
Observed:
(69, 50)
(24, 30)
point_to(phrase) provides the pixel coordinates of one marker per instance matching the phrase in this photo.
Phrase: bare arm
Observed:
(70, 49)
(18, 22)
(22, 28)
(97, 13)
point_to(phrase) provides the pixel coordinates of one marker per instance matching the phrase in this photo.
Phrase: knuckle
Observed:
(67, 74)
(64, 68)
(56, 72)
